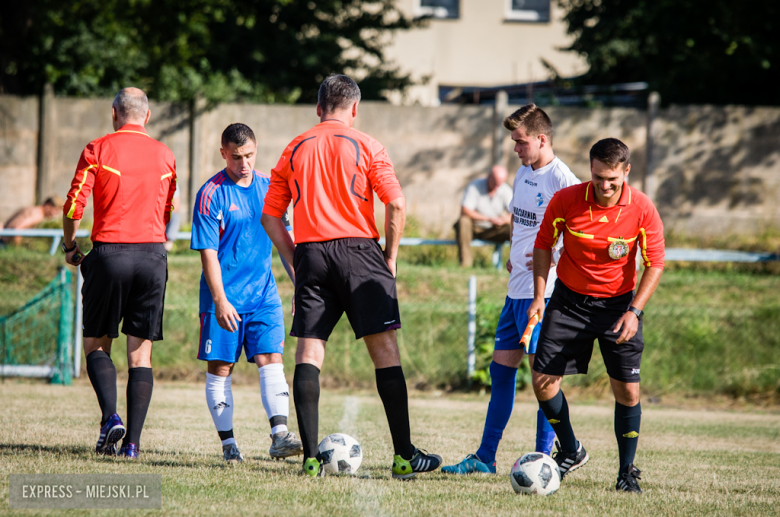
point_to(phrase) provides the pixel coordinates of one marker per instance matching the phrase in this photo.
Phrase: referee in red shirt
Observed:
(604, 224)
(133, 178)
(330, 173)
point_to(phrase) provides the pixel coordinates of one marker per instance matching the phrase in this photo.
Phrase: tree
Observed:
(691, 51)
(225, 50)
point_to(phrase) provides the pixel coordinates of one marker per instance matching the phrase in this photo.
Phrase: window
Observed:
(438, 8)
(528, 10)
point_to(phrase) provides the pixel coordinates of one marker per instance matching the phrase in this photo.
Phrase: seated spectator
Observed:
(484, 213)
(30, 217)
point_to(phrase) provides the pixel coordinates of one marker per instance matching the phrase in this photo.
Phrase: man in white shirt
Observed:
(540, 177)
(484, 212)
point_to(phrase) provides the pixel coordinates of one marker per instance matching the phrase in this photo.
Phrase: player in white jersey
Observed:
(540, 177)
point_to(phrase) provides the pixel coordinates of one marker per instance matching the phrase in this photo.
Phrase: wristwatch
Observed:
(68, 250)
(639, 313)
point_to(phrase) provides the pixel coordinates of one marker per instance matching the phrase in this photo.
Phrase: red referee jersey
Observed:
(600, 243)
(134, 178)
(330, 174)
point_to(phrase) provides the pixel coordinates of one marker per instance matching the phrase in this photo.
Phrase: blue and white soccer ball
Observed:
(340, 453)
(535, 473)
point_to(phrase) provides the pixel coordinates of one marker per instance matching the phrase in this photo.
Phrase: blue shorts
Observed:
(512, 324)
(259, 332)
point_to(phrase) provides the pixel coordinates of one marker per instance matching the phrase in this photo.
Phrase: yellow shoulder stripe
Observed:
(109, 169)
(555, 229)
(579, 234)
(644, 247)
(78, 191)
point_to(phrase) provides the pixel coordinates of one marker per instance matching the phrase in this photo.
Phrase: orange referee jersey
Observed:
(330, 173)
(133, 177)
(600, 243)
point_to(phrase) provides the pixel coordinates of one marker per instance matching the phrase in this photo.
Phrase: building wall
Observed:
(717, 168)
(481, 48)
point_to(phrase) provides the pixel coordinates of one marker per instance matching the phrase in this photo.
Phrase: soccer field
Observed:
(694, 462)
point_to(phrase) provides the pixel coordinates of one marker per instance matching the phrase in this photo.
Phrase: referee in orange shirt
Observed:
(133, 178)
(604, 224)
(330, 174)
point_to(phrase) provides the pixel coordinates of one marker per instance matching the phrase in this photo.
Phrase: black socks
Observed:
(102, 375)
(139, 394)
(391, 385)
(627, 420)
(306, 394)
(557, 412)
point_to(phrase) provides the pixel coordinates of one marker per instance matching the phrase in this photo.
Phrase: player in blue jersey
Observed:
(239, 303)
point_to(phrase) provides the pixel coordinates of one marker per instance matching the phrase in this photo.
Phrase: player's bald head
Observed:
(131, 105)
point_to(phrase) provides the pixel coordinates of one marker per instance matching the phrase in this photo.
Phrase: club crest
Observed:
(618, 249)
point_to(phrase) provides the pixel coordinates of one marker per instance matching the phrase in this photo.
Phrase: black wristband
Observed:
(639, 313)
(68, 250)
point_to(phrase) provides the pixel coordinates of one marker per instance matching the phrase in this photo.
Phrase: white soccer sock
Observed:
(275, 394)
(219, 397)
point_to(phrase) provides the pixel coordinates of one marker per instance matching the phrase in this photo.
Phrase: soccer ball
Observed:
(340, 453)
(535, 473)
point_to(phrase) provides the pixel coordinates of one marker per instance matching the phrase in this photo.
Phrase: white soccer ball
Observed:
(535, 473)
(340, 453)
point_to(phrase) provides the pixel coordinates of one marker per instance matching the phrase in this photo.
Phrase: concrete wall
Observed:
(18, 153)
(716, 169)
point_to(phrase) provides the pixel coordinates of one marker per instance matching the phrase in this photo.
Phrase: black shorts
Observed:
(124, 282)
(343, 275)
(571, 323)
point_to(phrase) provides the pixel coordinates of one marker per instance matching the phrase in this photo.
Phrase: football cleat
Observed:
(626, 480)
(570, 461)
(313, 467)
(129, 451)
(232, 454)
(421, 462)
(110, 433)
(284, 445)
(470, 465)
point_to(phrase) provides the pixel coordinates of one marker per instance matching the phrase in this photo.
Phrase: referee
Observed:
(133, 178)
(330, 173)
(604, 224)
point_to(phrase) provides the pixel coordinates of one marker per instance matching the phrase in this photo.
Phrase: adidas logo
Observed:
(602, 220)
(554, 421)
(221, 405)
(632, 434)
(283, 394)
(232, 208)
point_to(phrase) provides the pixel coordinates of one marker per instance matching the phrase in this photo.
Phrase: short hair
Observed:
(55, 201)
(337, 92)
(533, 119)
(610, 151)
(129, 105)
(237, 134)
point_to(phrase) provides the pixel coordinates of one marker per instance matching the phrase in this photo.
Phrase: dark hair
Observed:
(533, 119)
(337, 92)
(237, 134)
(611, 152)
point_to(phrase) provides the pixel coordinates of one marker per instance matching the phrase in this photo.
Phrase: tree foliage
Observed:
(225, 50)
(691, 51)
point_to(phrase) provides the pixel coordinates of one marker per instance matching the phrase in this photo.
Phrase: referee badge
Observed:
(618, 248)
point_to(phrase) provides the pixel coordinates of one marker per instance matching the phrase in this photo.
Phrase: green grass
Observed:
(706, 332)
(694, 462)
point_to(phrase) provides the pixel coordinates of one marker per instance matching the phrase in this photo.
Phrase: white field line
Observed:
(366, 494)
